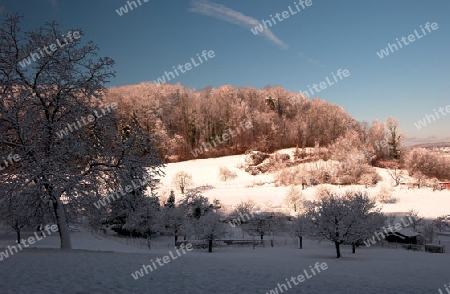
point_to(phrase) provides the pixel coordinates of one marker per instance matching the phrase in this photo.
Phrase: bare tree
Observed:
(396, 173)
(182, 180)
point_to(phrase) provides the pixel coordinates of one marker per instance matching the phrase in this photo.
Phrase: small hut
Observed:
(406, 236)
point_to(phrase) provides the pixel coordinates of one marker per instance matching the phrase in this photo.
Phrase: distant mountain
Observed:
(411, 141)
(431, 145)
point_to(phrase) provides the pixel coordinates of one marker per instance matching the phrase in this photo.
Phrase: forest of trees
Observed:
(182, 119)
(185, 118)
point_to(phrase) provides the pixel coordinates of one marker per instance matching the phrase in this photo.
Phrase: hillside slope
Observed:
(262, 190)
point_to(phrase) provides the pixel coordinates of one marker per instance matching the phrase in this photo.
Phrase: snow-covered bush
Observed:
(385, 196)
(254, 158)
(226, 174)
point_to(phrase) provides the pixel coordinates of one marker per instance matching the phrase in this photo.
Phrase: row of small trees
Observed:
(192, 216)
(347, 218)
(422, 163)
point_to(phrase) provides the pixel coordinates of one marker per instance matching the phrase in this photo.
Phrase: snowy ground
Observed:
(262, 191)
(104, 264)
(226, 270)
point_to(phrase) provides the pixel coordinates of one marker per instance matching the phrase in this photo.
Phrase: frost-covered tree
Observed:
(395, 137)
(364, 219)
(262, 224)
(174, 220)
(441, 224)
(210, 227)
(194, 205)
(294, 199)
(376, 135)
(145, 220)
(429, 163)
(429, 231)
(366, 180)
(182, 180)
(300, 226)
(341, 218)
(244, 208)
(42, 106)
(434, 184)
(385, 195)
(170, 201)
(419, 179)
(23, 210)
(415, 219)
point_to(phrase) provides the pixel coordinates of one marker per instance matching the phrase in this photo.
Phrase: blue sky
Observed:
(298, 51)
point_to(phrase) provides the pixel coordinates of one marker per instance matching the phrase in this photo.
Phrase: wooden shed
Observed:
(405, 236)
(445, 185)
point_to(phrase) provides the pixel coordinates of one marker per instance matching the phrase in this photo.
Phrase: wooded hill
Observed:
(185, 118)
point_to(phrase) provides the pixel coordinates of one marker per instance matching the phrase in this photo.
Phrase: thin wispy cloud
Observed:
(302, 55)
(235, 17)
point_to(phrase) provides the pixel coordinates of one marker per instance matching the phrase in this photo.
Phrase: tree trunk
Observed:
(18, 235)
(210, 245)
(353, 248)
(176, 239)
(60, 214)
(300, 239)
(338, 249)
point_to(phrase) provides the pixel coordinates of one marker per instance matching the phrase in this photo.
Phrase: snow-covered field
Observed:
(226, 270)
(260, 188)
(104, 264)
